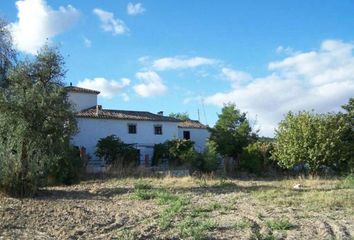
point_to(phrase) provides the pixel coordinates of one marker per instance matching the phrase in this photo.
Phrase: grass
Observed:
(243, 224)
(196, 228)
(279, 224)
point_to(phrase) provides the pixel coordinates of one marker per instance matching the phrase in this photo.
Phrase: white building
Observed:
(142, 129)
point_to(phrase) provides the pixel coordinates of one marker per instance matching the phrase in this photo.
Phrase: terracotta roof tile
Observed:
(192, 124)
(124, 115)
(81, 90)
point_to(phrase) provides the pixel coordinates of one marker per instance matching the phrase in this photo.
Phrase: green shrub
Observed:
(69, 168)
(114, 151)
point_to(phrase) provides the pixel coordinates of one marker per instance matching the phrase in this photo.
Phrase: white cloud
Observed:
(109, 23)
(135, 9)
(286, 50)
(236, 77)
(108, 88)
(322, 80)
(38, 23)
(170, 63)
(152, 84)
(87, 42)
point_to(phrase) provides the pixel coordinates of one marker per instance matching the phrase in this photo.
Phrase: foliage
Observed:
(312, 139)
(114, 151)
(232, 132)
(348, 137)
(8, 54)
(160, 153)
(256, 157)
(210, 157)
(181, 152)
(181, 116)
(68, 168)
(279, 224)
(36, 122)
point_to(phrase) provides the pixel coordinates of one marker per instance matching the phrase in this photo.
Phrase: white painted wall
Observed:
(91, 130)
(198, 135)
(81, 101)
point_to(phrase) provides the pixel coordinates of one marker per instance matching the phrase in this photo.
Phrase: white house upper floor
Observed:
(141, 128)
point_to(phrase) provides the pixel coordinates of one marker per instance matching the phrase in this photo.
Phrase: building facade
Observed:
(141, 129)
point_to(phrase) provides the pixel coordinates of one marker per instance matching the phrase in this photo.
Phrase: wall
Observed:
(91, 130)
(82, 101)
(198, 135)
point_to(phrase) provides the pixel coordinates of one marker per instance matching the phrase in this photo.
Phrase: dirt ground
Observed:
(183, 208)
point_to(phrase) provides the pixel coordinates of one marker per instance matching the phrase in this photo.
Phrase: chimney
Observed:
(98, 109)
(160, 113)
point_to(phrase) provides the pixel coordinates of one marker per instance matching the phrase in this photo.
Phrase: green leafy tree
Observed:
(113, 151)
(7, 53)
(36, 123)
(348, 136)
(312, 139)
(232, 132)
(182, 116)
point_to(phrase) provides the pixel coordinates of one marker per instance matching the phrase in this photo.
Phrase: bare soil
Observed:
(183, 208)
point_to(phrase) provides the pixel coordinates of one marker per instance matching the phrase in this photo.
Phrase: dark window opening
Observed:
(158, 130)
(132, 128)
(187, 135)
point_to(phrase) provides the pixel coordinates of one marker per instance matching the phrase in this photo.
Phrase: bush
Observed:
(113, 151)
(69, 168)
(312, 139)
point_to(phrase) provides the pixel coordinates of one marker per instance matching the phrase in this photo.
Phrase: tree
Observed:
(348, 136)
(114, 151)
(314, 140)
(232, 132)
(7, 52)
(181, 116)
(36, 123)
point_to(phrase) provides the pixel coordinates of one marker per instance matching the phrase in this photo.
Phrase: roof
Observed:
(192, 124)
(123, 115)
(81, 90)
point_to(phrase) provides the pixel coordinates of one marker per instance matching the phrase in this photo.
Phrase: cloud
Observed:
(135, 9)
(173, 63)
(87, 42)
(109, 23)
(322, 80)
(108, 88)
(236, 77)
(152, 84)
(38, 23)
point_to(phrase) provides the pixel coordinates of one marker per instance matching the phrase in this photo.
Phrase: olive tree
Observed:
(36, 122)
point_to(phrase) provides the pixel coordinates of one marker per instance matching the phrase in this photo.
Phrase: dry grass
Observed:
(184, 208)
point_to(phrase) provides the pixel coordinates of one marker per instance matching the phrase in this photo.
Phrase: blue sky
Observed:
(267, 57)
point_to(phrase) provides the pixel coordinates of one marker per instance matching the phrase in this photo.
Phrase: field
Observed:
(184, 208)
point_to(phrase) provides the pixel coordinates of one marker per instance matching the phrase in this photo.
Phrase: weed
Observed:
(144, 194)
(196, 229)
(127, 235)
(142, 185)
(243, 224)
(347, 182)
(260, 236)
(279, 224)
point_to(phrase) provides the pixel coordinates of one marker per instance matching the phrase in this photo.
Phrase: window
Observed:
(187, 135)
(158, 129)
(132, 128)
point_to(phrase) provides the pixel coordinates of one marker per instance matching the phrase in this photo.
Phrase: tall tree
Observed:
(7, 52)
(232, 132)
(35, 122)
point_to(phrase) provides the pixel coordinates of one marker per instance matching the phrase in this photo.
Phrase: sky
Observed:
(267, 57)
